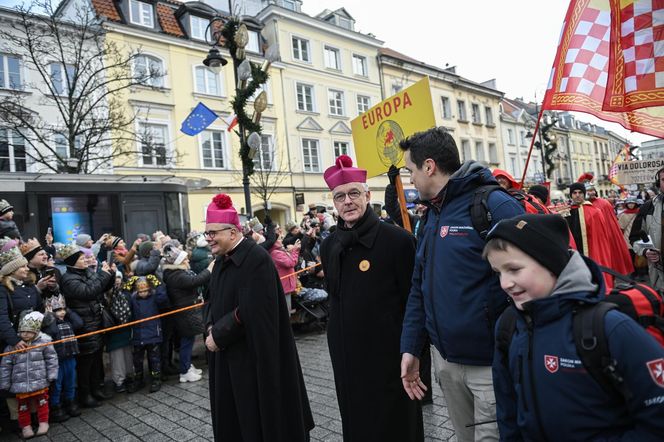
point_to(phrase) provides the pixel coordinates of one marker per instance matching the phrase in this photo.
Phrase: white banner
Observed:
(638, 172)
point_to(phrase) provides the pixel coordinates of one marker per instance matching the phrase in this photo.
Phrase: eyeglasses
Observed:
(341, 197)
(212, 233)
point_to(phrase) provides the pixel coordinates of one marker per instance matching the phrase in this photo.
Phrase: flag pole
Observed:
(532, 143)
(405, 219)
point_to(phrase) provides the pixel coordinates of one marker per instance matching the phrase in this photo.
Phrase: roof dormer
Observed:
(340, 18)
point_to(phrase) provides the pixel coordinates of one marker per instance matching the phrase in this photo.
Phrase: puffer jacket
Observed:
(30, 370)
(455, 296)
(200, 259)
(285, 263)
(148, 332)
(181, 286)
(543, 392)
(9, 229)
(24, 297)
(84, 290)
(149, 265)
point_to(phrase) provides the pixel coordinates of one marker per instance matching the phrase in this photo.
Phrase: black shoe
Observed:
(71, 407)
(170, 370)
(121, 388)
(87, 401)
(155, 385)
(136, 384)
(57, 414)
(101, 395)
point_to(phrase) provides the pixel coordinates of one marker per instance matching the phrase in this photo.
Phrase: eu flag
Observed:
(199, 118)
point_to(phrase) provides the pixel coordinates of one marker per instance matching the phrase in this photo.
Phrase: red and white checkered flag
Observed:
(610, 63)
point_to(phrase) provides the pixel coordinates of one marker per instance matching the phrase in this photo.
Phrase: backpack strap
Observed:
(593, 348)
(480, 215)
(505, 332)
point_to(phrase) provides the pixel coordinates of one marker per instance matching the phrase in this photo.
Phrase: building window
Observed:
(513, 170)
(479, 151)
(10, 72)
(254, 44)
(140, 13)
(493, 154)
(153, 144)
(199, 28)
(207, 81)
(332, 58)
(340, 148)
(336, 101)
(301, 49)
(212, 143)
(62, 148)
(305, 97)
(461, 106)
(510, 136)
(12, 151)
(396, 88)
(310, 155)
(363, 104)
(60, 79)
(345, 23)
(488, 112)
(477, 118)
(149, 71)
(465, 149)
(264, 159)
(360, 65)
(522, 137)
(289, 4)
(447, 108)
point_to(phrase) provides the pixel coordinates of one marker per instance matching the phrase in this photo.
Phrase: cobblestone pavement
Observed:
(181, 412)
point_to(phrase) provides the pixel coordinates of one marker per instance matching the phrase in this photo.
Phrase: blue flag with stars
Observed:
(199, 118)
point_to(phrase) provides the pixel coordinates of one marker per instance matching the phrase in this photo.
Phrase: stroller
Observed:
(310, 308)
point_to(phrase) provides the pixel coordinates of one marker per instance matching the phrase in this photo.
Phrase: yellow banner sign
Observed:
(378, 131)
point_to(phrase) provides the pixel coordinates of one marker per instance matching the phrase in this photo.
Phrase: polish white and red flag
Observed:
(610, 63)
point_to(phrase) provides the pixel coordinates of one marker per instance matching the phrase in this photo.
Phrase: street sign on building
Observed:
(638, 172)
(378, 131)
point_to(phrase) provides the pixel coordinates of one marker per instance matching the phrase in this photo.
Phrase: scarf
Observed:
(344, 238)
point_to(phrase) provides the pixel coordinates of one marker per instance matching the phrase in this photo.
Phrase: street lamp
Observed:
(231, 33)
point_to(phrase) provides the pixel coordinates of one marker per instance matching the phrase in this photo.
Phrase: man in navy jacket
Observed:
(455, 297)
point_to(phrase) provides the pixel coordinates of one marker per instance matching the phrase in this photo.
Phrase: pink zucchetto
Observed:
(221, 211)
(343, 172)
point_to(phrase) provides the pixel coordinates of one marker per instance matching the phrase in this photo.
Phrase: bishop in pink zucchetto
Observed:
(343, 172)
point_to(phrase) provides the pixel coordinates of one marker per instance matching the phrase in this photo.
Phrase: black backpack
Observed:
(480, 215)
(638, 301)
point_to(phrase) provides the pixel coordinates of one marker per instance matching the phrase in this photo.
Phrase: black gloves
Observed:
(392, 174)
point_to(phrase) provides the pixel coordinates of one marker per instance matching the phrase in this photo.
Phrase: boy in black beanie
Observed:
(542, 389)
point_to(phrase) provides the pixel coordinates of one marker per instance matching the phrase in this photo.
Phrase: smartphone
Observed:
(109, 257)
(49, 231)
(50, 271)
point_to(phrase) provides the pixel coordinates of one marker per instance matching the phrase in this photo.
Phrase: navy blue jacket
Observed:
(148, 332)
(454, 291)
(25, 297)
(563, 401)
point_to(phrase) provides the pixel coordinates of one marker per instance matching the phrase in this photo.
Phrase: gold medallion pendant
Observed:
(364, 265)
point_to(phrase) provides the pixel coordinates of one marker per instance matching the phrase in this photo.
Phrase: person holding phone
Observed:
(44, 277)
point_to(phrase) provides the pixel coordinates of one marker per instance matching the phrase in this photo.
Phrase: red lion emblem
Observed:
(551, 363)
(656, 369)
(444, 230)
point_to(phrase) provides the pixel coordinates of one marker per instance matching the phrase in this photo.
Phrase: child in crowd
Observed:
(28, 374)
(148, 294)
(66, 323)
(542, 388)
(118, 343)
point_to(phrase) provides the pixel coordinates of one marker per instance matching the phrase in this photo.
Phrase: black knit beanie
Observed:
(544, 238)
(71, 259)
(540, 192)
(577, 186)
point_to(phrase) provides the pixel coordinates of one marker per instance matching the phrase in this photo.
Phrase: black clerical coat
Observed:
(257, 392)
(368, 271)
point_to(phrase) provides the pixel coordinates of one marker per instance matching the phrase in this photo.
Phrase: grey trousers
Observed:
(122, 364)
(468, 392)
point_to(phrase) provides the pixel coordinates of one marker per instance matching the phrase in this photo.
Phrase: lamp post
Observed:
(231, 33)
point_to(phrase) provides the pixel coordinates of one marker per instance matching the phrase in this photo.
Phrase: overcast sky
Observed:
(513, 41)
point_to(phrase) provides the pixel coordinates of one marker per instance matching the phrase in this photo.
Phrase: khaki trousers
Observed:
(468, 391)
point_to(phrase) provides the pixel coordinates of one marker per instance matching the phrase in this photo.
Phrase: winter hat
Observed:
(175, 256)
(82, 238)
(544, 238)
(221, 211)
(343, 172)
(7, 243)
(5, 207)
(118, 274)
(11, 260)
(30, 248)
(256, 225)
(540, 192)
(290, 225)
(69, 254)
(143, 237)
(55, 303)
(577, 186)
(115, 241)
(145, 248)
(499, 172)
(31, 322)
(130, 284)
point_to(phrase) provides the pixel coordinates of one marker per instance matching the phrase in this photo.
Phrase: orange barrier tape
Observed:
(129, 324)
